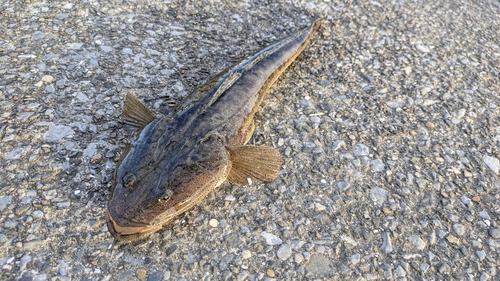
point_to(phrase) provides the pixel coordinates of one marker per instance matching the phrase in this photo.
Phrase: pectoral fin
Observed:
(251, 164)
(135, 113)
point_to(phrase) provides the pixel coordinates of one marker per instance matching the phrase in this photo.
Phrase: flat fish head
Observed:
(161, 177)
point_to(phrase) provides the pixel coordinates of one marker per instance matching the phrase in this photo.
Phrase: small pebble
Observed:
(459, 229)
(284, 252)
(271, 239)
(361, 150)
(430, 125)
(48, 78)
(298, 258)
(417, 242)
(338, 144)
(387, 211)
(444, 268)
(354, 259)
(246, 254)
(271, 273)
(481, 254)
(378, 195)
(3, 238)
(213, 223)
(141, 274)
(407, 70)
(495, 233)
(453, 240)
(492, 163)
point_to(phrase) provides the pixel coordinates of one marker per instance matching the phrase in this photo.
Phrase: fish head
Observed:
(161, 177)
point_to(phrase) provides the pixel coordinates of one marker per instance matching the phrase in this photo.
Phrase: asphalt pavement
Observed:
(388, 123)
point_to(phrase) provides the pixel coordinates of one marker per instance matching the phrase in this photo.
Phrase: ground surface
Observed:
(389, 126)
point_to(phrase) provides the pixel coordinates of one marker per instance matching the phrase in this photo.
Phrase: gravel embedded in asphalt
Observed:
(389, 124)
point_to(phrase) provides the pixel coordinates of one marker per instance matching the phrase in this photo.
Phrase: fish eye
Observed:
(128, 180)
(167, 195)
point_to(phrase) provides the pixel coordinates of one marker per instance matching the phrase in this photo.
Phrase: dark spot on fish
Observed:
(167, 194)
(128, 180)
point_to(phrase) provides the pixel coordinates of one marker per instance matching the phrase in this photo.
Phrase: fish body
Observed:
(175, 163)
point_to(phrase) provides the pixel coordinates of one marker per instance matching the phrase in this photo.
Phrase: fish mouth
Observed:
(126, 233)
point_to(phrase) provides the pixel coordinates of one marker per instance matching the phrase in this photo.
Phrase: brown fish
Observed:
(175, 163)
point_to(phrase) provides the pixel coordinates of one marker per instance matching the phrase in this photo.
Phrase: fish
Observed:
(175, 162)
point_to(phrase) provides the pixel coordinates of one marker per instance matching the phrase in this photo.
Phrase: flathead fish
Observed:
(175, 163)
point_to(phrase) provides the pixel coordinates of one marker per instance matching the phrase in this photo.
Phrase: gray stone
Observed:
(459, 229)
(127, 51)
(63, 267)
(298, 258)
(399, 272)
(75, 46)
(484, 276)
(242, 276)
(495, 232)
(155, 276)
(319, 265)
(354, 259)
(387, 243)
(37, 35)
(378, 195)
(91, 150)
(106, 49)
(343, 185)
(37, 214)
(377, 166)
(483, 214)
(424, 267)
(492, 163)
(5, 202)
(348, 240)
(50, 88)
(481, 254)
(305, 102)
(25, 260)
(40, 277)
(81, 97)
(417, 242)
(271, 239)
(14, 154)
(3, 238)
(337, 144)
(58, 132)
(361, 150)
(284, 252)
(190, 258)
(423, 48)
(134, 261)
(444, 268)
(24, 116)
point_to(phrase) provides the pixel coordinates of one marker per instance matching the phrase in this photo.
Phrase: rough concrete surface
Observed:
(388, 123)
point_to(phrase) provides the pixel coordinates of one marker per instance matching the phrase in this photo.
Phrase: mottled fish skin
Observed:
(175, 163)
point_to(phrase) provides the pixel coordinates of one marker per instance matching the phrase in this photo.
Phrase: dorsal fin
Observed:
(135, 113)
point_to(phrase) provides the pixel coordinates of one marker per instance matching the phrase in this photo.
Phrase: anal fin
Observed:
(252, 164)
(135, 113)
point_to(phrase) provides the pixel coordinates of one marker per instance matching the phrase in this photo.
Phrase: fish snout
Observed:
(121, 232)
